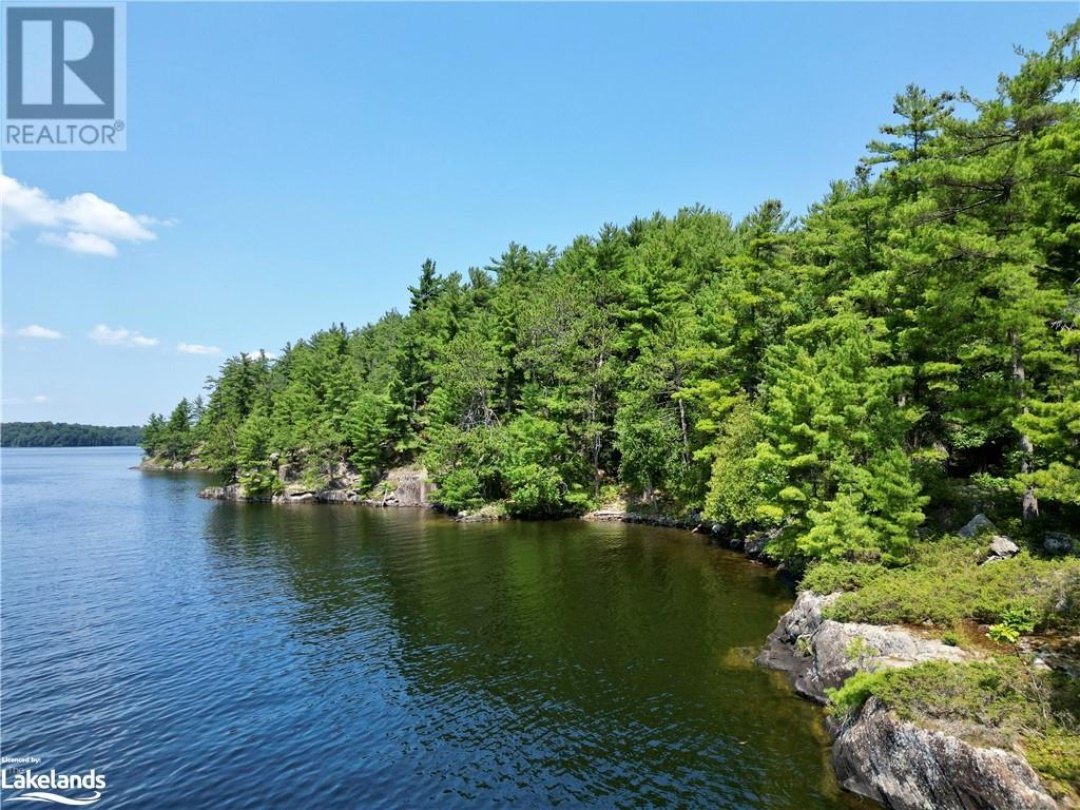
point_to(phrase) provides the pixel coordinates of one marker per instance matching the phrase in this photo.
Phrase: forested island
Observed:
(847, 388)
(64, 434)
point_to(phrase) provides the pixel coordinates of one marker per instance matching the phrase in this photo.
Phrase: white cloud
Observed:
(255, 354)
(37, 399)
(40, 332)
(82, 223)
(79, 242)
(105, 336)
(197, 348)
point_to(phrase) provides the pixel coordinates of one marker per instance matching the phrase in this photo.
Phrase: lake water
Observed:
(215, 655)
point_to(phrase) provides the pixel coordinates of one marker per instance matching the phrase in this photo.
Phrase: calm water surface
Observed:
(214, 655)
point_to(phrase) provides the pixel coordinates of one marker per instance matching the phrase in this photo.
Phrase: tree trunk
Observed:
(1030, 505)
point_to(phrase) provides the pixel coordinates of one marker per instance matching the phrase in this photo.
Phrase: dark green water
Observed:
(212, 655)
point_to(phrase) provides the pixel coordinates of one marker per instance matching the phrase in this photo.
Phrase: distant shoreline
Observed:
(67, 434)
(73, 447)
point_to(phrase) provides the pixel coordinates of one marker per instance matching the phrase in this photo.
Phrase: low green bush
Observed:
(840, 575)
(856, 690)
(945, 584)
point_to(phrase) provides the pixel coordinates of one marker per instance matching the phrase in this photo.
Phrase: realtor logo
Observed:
(64, 77)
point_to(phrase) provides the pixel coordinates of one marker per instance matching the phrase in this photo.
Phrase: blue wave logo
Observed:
(55, 798)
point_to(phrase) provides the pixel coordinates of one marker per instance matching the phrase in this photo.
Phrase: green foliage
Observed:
(173, 439)
(1003, 633)
(1015, 621)
(856, 690)
(945, 585)
(260, 481)
(1055, 754)
(831, 466)
(836, 576)
(734, 496)
(833, 377)
(63, 434)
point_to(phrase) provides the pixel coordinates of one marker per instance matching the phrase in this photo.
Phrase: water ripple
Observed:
(228, 656)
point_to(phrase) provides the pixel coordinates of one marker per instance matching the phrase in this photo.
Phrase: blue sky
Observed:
(291, 165)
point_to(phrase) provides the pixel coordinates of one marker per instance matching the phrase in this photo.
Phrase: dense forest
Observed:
(63, 434)
(902, 355)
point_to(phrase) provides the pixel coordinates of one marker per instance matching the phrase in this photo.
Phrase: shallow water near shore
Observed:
(220, 655)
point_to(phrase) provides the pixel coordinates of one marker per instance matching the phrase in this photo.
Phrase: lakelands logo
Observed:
(79, 789)
(65, 77)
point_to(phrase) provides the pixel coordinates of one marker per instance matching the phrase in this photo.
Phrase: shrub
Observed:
(945, 585)
(836, 576)
(856, 690)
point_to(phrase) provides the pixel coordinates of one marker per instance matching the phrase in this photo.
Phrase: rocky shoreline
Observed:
(401, 487)
(875, 754)
(150, 465)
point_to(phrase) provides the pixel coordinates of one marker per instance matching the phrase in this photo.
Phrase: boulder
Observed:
(1000, 548)
(1058, 543)
(754, 545)
(608, 513)
(977, 525)
(337, 496)
(907, 767)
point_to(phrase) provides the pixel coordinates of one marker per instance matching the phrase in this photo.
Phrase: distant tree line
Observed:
(64, 434)
(912, 342)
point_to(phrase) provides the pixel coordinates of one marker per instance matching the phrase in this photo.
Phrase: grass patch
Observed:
(1003, 702)
(945, 585)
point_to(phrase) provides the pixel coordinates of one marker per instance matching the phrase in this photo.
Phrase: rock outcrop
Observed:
(401, 487)
(837, 650)
(907, 767)
(232, 492)
(619, 512)
(788, 646)
(820, 654)
(161, 465)
(898, 763)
